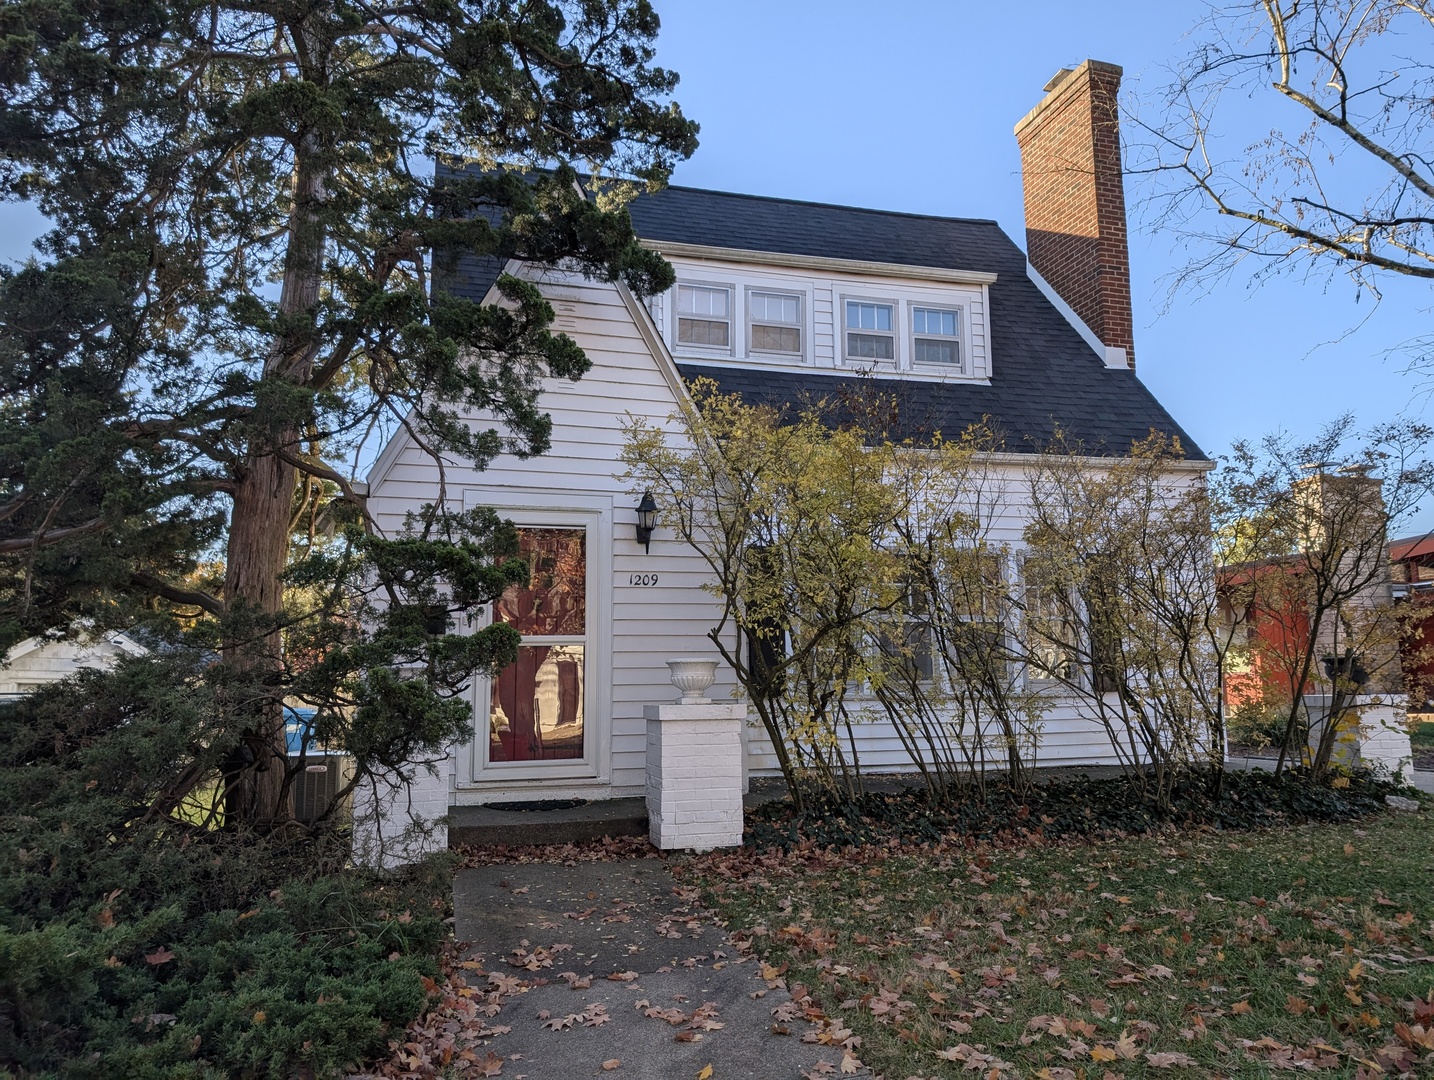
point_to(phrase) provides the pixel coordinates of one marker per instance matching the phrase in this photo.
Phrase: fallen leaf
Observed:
(1167, 1059)
(610, 1064)
(259, 1017)
(1102, 1053)
(492, 1065)
(705, 1073)
(1125, 1046)
(1240, 1008)
(159, 956)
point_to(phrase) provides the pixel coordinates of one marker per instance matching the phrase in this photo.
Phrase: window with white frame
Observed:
(776, 322)
(936, 337)
(1050, 627)
(704, 316)
(870, 332)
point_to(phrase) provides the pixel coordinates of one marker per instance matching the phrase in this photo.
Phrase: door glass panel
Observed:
(535, 707)
(536, 712)
(555, 600)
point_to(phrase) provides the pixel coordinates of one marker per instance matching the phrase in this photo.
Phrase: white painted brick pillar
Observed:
(1384, 733)
(694, 768)
(401, 817)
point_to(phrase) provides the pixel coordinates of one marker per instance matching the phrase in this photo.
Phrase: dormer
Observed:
(810, 313)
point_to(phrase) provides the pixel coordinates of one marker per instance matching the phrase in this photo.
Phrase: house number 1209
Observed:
(642, 579)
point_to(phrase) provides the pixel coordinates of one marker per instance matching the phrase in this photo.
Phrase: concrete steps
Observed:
(551, 822)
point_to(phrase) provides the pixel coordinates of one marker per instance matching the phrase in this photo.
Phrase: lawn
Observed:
(1197, 954)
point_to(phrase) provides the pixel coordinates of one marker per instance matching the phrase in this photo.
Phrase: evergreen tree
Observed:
(234, 302)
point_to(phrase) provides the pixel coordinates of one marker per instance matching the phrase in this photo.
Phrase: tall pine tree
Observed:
(235, 300)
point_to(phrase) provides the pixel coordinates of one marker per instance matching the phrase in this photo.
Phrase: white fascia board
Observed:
(23, 648)
(1113, 356)
(661, 354)
(127, 644)
(815, 262)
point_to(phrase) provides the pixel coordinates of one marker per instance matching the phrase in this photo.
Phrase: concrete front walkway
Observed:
(615, 962)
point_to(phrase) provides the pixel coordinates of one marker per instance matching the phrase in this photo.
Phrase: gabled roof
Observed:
(1045, 377)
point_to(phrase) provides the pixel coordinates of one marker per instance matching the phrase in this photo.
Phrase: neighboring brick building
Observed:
(1412, 563)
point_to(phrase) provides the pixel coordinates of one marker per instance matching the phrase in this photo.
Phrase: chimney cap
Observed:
(1055, 80)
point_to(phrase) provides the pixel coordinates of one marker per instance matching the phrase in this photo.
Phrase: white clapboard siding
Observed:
(632, 377)
(649, 624)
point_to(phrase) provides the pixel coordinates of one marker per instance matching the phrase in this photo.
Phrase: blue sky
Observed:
(909, 105)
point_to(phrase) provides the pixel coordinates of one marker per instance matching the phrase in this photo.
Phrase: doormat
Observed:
(537, 804)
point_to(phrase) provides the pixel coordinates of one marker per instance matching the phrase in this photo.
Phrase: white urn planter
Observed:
(693, 675)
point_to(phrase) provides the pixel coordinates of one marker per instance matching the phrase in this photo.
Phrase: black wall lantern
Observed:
(646, 521)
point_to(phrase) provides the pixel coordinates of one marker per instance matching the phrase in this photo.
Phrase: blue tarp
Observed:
(298, 725)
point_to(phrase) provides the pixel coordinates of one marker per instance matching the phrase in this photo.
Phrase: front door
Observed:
(546, 718)
(536, 706)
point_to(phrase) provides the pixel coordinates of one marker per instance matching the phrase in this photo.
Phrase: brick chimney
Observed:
(1075, 200)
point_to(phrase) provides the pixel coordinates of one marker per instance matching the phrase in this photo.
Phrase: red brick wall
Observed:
(1075, 200)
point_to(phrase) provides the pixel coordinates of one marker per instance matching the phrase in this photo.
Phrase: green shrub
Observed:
(1257, 724)
(135, 942)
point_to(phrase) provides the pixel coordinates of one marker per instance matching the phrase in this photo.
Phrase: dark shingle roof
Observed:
(1044, 375)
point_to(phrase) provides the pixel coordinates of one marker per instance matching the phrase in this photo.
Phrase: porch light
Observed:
(646, 521)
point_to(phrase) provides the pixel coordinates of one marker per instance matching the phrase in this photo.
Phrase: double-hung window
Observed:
(776, 321)
(704, 316)
(936, 337)
(1050, 628)
(870, 332)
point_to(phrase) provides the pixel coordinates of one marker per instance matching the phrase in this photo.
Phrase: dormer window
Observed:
(936, 337)
(704, 316)
(776, 322)
(870, 331)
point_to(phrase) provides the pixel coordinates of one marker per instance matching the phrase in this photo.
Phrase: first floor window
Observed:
(1051, 631)
(704, 316)
(935, 335)
(977, 590)
(776, 322)
(535, 707)
(870, 331)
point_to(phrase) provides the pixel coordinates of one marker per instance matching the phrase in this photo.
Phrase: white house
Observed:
(39, 661)
(778, 299)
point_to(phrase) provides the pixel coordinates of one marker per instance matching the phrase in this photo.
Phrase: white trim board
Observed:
(857, 267)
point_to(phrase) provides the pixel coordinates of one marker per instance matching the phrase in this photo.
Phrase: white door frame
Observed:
(529, 507)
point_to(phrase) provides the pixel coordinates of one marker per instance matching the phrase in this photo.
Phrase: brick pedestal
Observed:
(1384, 734)
(694, 775)
(398, 819)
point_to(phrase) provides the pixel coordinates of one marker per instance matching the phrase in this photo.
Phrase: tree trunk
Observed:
(256, 788)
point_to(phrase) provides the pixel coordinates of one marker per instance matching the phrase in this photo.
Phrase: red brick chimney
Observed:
(1075, 199)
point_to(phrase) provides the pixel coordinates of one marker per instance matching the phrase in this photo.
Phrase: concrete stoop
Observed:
(567, 822)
